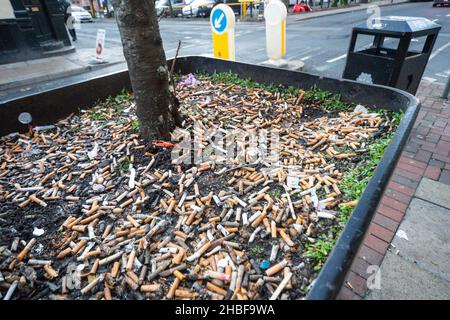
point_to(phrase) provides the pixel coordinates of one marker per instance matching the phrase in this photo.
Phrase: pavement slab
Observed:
(426, 227)
(404, 280)
(435, 192)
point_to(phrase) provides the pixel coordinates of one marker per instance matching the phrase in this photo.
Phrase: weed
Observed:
(275, 193)
(355, 181)
(330, 102)
(256, 251)
(124, 165)
(135, 125)
(319, 251)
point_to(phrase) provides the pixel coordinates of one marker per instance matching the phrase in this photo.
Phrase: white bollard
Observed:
(275, 15)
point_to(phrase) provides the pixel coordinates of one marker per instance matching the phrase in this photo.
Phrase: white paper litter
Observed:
(38, 232)
(402, 234)
(93, 153)
(292, 182)
(132, 177)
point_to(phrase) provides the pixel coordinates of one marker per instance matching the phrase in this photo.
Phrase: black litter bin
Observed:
(398, 54)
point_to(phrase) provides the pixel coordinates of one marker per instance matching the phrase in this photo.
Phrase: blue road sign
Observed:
(219, 21)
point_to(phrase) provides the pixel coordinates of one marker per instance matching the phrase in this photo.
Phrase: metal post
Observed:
(446, 90)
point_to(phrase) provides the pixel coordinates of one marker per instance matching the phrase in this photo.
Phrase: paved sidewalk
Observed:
(35, 71)
(409, 235)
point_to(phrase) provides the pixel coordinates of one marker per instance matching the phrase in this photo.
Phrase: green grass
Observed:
(330, 102)
(256, 251)
(356, 179)
(123, 165)
(118, 103)
(135, 125)
(318, 252)
(275, 193)
(232, 78)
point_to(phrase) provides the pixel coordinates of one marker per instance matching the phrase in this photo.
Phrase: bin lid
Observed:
(399, 24)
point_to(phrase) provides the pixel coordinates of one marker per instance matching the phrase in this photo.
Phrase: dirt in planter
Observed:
(89, 211)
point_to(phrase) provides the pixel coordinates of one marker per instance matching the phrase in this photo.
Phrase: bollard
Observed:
(275, 15)
(446, 89)
(223, 23)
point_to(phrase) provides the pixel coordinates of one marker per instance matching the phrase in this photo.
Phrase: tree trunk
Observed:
(156, 105)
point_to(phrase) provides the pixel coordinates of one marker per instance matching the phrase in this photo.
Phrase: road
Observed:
(320, 42)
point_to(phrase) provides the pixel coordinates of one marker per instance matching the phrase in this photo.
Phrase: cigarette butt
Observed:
(93, 253)
(95, 266)
(150, 287)
(91, 285)
(179, 275)
(200, 252)
(64, 253)
(24, 203)
(182, 293)
(273, 226)
(107, 293)
(50, 271)
(115, 269)
(130, 262)
(133, 285)
(107, 231)
(172, 205)
(173, 288)
(91, 218)
(79, 246)
(286, 272)
(217, 275)
(37, 200)
(81, 229)
(350, 203)
(179, 256)
(133, 276)
(25, 250)
(68, 221)
(126, 203)
(286, 238)
(216, 289)
(228, 271)
(276, 268)
(258, 219)
(281, 286)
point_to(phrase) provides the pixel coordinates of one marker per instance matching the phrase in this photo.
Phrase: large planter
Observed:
(48, 106)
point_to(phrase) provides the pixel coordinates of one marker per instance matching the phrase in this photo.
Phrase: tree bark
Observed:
(156, 105)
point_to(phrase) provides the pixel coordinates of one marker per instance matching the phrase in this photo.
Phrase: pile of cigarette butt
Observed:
(89, 211)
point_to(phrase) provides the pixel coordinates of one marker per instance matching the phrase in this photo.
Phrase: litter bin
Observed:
(398, 54)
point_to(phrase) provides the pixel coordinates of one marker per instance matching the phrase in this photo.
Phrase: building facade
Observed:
(32, 29)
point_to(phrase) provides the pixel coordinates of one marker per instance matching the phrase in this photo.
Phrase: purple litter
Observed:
(188, 80)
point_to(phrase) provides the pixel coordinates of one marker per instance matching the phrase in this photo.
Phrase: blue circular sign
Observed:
(219, 20)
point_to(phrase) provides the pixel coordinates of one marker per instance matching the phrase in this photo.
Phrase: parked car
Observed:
(162, 6)
(441, 3)
(233, 4)
(81, 15)
(199, 8)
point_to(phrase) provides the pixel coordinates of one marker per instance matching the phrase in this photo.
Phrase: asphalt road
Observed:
(320, 42)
